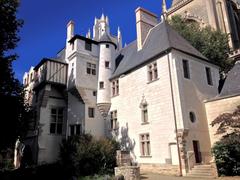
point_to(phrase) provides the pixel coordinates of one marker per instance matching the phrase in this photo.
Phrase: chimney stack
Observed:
(70, 30)
(145, 21)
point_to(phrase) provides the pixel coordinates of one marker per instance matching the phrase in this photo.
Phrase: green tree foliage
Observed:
(212, 44)
(12, 109)
(227, 150)
(84, 155)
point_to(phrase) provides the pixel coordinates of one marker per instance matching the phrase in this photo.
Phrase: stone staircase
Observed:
(202, 171)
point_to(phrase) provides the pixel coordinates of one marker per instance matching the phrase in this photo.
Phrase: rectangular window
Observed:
(115, 87)
(91, 68)
(113, 120)
(88, 46)
(101, 85)
(91, 112)
(94, 93)
(209, 76)
(152, 71)
(145, 145)
(106, 64)
(75, 129)
(56, 121)
(107, 45)
(186, 71)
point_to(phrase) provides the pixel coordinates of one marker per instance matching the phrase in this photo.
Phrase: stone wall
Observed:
(129, 172)
(160, 169)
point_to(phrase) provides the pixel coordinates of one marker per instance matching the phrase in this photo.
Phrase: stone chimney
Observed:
(70, 30)
(145, 20)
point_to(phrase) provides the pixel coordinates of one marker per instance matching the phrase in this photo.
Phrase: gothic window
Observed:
(152, 71)
(91, 68)
(209, 76)
(75, 129)
(56, 124)
(101, 85)
(145, 144)
(91, 112)
(144, 110)
(186, 71)
(88, 46)
(115, 87)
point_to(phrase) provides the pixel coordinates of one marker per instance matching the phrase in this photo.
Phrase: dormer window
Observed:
(152, 71)
(88, 46)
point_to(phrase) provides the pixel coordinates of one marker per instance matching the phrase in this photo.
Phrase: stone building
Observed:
(154, 95)
(223, 15)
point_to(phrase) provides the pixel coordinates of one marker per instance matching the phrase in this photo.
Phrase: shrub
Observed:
(85, 155)
(227, 155)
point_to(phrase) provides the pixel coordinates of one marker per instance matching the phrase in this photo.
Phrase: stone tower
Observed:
(108, 46)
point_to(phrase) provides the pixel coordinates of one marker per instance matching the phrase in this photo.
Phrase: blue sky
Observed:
(44, 30)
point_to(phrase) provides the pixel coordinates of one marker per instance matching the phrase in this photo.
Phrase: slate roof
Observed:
(232, 82)
(161, 38)
(106, 38)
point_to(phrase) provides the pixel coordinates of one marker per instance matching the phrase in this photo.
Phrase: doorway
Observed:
(196, 149)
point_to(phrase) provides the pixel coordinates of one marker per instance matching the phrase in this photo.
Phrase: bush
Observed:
(84, 155)
(227, 155)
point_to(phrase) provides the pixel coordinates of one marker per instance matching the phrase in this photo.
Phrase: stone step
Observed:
(202, 170)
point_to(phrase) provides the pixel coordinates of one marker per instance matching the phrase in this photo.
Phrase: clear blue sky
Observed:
(44, 30)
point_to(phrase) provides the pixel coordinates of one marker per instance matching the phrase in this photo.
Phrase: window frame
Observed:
(152, 71)
(209, 76)
(115, 87)
(101, 85)
(145, 145)
(73, 129)
(186, 69)
(56, 126)
(88, 46)
(113, 120)
(91, 68)
(91, 112)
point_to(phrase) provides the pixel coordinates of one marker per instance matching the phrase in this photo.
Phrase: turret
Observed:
(106, 68)
(100, 27)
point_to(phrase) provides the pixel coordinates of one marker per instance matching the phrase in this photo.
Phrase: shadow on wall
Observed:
(71, 80)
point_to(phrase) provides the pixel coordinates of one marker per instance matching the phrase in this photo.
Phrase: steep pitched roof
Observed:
(232, 82)
(160, 39)
(105, 38)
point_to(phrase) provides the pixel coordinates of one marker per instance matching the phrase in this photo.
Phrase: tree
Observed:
(12, 108)
(212, 44)
(227, 150)
(85, 155)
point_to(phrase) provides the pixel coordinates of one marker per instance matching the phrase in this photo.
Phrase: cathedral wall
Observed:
(194, 8)
(132, 88)
(193, 92)
(217, 107)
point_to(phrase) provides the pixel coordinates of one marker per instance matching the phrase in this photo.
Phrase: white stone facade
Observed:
(152, 109)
